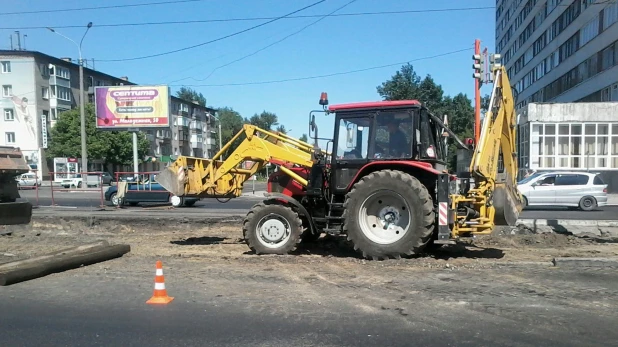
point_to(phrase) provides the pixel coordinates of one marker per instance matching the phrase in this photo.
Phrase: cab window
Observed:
(394, 135)
(353, 140)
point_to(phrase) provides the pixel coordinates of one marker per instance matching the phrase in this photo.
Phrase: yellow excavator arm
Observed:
(495, 199)
(225, 178)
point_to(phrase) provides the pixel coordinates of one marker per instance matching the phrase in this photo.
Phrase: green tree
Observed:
(113, 147)
(304, 138)
(231, 124)
(407, 84)
(281, 128)
(191, 95)
(265, 120)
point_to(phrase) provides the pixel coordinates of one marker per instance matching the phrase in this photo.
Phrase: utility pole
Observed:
(479, 67)
(82, 103)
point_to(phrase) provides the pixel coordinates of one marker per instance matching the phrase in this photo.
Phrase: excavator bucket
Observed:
(15, 213)
(507, 205)
(172, 181)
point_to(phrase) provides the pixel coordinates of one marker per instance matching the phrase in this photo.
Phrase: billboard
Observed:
(124, 107)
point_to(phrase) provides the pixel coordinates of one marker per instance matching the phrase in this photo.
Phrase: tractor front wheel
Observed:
(389, 213)
(272, 229)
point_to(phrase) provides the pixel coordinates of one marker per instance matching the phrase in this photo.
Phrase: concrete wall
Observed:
(569, 112)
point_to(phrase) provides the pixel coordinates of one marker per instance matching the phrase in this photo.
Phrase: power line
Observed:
(322, 76)
(215, 40)
(99, 8)
(272, 44)
(355, 14)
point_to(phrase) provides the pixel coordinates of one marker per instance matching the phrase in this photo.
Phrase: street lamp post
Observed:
(82, 111)
(220, 141)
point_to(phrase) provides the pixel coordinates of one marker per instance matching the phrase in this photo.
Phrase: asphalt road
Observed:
(242, 204)
(235, 302)
(93, 198)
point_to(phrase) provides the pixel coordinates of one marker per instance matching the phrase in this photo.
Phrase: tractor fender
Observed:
(392, 164)
(296, 203)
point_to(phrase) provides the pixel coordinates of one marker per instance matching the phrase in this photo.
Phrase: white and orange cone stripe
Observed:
(160, 293)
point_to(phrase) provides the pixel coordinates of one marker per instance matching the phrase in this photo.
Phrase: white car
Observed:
(583, 190)
(28, 180)
(76, 182)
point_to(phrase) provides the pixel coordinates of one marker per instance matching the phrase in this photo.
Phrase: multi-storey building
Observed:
(562, 59)
(559, 50)
(37, 88)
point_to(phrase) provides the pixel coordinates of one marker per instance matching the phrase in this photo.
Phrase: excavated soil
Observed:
(209, 241)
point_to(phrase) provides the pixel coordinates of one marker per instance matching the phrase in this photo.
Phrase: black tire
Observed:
(412, 192)
(588, 203)
(189, 203)
(260, 213)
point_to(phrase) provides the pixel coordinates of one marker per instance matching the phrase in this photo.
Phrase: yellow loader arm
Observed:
(225, 178)
(495, 197)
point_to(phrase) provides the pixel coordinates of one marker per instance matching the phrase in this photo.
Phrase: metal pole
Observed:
(82, 116)
(477, 98)
(82, 112)
(220, 136)
(135, 157)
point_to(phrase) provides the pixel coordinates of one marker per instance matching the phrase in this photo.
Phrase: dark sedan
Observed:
(147, 192)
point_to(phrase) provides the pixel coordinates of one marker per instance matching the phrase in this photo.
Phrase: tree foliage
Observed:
(265, 120)
(304, 138)
(113, 147)
(407, 84)
(191, 95)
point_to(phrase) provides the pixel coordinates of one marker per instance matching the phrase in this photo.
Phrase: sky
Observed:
(333, 46)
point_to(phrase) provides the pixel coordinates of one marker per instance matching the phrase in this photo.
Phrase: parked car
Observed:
(583, 190)
(147, 191)
(29, 179)
(106, 177)
(77, 181)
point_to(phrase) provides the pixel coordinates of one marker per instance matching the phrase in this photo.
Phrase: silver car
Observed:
(564, 188)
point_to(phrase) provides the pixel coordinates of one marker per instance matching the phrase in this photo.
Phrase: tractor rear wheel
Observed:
(272, 229)
(389, 213)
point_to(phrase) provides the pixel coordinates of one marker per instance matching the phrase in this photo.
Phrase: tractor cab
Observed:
(383, 133)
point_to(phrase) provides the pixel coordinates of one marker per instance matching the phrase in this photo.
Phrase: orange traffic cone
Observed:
(160, 294)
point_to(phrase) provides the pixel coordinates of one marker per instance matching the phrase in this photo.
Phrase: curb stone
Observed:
(585, 262)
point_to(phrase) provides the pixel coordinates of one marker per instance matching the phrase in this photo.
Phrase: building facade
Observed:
(559, 50)
(576, 136)
(37, 88)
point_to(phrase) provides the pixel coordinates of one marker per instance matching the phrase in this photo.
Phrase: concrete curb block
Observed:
(569, 222)
(145, 219)
(585, 262)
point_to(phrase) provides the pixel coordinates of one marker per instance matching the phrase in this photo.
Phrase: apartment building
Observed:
(37, 88)
(559, 50)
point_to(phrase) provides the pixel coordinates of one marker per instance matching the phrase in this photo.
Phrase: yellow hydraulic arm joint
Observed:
(495, 198)
(225, 178)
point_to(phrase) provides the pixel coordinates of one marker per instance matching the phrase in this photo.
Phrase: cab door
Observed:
(351, 150)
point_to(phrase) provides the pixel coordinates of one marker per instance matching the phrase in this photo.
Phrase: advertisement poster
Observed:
(121, 107)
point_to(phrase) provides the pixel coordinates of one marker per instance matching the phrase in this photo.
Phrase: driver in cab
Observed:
(397, 141)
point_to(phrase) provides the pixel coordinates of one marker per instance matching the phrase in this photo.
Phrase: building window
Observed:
(610, 15)
(7, 90)
(62, 93)
(9, 114)
(54, 114)
(6, 66)
(44, 68)
(45, 92)
(63, 72)
(575, 146)
(9, 138)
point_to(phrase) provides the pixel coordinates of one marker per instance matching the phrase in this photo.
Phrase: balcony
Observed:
(182, 121)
